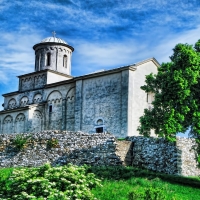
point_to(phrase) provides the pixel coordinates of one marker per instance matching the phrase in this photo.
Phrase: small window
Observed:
(50, 108)
(65, 61)
(99, 130)
(48, 61)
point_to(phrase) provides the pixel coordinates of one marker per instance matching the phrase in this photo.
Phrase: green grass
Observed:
(5, 173)
(119, 189)
(118, 182)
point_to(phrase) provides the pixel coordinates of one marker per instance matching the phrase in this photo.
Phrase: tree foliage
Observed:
(176, 86)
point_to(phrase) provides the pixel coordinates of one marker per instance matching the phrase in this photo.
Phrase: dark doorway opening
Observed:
(99, 130)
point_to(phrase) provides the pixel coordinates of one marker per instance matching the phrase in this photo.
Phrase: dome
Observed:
(53, 39)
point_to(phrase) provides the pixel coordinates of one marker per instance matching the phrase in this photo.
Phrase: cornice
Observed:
(18, 109)
(53, 44)
(45, 71)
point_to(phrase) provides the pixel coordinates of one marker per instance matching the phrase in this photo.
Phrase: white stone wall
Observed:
(31, 82)
(34, 105)
(14, 122)
(57, 52)
(101, 98)
(137, 99)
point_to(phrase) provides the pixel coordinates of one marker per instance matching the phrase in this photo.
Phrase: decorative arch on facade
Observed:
(54, 107)
(39, 81)
(37, 98)
(24, 101)
(70, 99)
(12, 103)
(20, 123)
(37, 121)
(7, 124)
(54, 96)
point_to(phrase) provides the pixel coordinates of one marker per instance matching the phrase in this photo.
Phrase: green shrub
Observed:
(46, 182)
(52, 143)
(147, 194)
(20, 141)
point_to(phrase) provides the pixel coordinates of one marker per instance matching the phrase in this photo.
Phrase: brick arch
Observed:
(20, 123)
(7, 124)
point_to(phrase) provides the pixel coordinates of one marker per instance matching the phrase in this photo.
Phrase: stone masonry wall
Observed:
(80, 148)
(160, 155)
(73, 147)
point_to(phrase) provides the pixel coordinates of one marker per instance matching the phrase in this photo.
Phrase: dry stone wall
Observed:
(73, 147)
(159, 155)
(80, 148)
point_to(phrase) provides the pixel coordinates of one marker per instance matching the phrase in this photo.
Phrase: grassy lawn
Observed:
(118, 182)
(119, 189)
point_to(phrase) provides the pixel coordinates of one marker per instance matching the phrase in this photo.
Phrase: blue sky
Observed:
(105, 34)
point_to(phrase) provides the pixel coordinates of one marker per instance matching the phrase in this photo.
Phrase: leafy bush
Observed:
(52, 143)
(147, 194)
(20, 141)
(46, 182)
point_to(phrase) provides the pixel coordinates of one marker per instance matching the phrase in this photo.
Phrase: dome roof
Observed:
(53, 39)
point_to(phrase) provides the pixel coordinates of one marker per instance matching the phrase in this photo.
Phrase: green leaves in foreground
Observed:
(176, 106)
(46, 182)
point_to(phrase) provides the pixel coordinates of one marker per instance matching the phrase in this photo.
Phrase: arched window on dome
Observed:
(65, 61)
(37, 63)
(48, 59)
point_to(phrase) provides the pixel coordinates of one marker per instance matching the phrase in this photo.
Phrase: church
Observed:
(50, 98)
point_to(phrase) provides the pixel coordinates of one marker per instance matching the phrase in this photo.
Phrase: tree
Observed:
(176, 87)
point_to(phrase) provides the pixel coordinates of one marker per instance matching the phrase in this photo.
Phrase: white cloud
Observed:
(3, 77)
(89, 57)
(165, 46)
(17, 57)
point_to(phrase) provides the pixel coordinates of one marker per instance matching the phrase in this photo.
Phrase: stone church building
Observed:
(51, 99)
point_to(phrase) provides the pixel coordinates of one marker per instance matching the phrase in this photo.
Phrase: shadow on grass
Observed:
(124, 173)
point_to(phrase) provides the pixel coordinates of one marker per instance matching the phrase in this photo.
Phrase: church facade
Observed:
(51, 99)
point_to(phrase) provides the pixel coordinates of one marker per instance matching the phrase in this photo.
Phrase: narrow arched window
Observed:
(65, 61)
(36, 63)
(48, 61)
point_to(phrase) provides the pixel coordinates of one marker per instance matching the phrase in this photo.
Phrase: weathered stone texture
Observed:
(187, 157)
(159, 155)
(124, 149)
(101, 149)
(73, 147)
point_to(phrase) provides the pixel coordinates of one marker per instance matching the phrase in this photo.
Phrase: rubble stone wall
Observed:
(73, 147)
(80, 148)
(159, 155)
